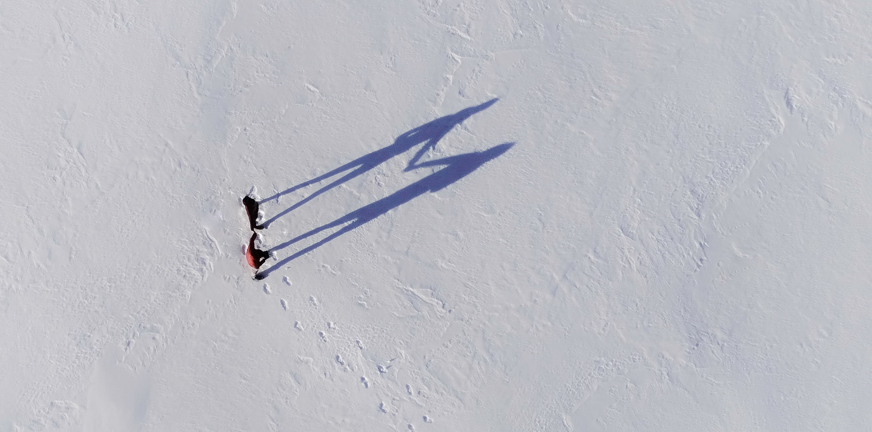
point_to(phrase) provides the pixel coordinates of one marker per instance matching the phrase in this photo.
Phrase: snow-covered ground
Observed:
(663, 221)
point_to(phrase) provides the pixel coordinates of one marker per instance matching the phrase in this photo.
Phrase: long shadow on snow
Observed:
(456, 167)
(430, 134)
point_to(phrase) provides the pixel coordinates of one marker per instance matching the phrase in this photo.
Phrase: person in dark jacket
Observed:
(252, 207)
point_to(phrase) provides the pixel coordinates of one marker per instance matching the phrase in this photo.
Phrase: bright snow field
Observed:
(661, 223)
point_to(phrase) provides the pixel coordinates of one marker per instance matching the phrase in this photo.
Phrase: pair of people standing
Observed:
(255, 256)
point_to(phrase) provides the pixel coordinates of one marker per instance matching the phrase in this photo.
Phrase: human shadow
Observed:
(429, 134)
(456, 167)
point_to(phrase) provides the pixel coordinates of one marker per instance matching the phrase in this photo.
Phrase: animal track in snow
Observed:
(284, 304)
(286, 281)
(266, 289)
(298, 326)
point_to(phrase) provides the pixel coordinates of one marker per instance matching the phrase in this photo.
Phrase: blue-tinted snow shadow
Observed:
(455, 168)
(429, 134)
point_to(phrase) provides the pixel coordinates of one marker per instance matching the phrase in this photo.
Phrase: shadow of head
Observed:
(496, 151)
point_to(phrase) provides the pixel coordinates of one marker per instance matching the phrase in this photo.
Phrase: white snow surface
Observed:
(679, 240)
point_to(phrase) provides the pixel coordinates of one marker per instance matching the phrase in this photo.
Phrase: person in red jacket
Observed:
(255, 256)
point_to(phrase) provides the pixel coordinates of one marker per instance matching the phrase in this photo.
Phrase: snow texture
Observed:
(541, 216)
